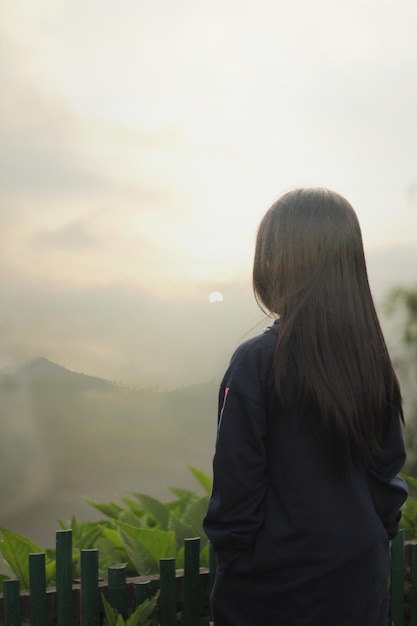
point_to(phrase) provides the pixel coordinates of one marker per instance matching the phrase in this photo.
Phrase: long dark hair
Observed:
(310, 270)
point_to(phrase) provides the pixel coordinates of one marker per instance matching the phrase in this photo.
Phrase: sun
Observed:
(215, 296)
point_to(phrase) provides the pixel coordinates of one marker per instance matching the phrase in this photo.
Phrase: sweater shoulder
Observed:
(252, 362)
(256, 347)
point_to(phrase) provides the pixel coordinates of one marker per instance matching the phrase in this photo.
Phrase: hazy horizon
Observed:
(125, 333)
(140, 145)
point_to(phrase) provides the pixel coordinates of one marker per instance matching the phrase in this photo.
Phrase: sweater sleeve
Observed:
(235, 510)
(389, 491)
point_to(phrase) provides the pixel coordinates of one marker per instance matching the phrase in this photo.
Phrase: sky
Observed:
(141, 143)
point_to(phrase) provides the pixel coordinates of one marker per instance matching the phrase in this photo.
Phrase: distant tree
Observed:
(405, 299)
(401, 306)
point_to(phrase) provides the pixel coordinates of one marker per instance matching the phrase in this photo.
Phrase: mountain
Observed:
(65, 435)
(41, 371)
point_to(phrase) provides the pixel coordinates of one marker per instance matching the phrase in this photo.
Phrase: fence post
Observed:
(37, 587)
(118, 589)
(64, 577)
(413, 599)
(397, 580)
(142, 591)
(191, 612)
(12, 611)
(90, 601)
(167, 598)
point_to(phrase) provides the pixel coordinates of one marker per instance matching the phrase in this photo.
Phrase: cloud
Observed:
(142, 146)
(124, 332)
(60, 160)
(83, 200)
(75, 235)
(37, 131)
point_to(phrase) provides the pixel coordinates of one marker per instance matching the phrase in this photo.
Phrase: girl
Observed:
(306, 495)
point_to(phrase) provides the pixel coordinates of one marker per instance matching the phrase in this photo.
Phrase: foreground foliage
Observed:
(139, 532)
(409, 510)
(142, 616)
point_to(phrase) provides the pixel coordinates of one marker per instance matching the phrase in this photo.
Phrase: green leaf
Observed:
(194, 516)
(50, 572)
(179, 561)
(142, 615)
(410, 480)
(204, 480)
(184, 499)
(88, 540)
(133, 507)
(181, 530)
(15, 550)
(85, 534)
(182, 494)
(50, 553)
(109, 509)
(145, 547)
(109, 612)
(112, 551)
(129, 517)
(113, 537)
(154, 507)
(409, 518)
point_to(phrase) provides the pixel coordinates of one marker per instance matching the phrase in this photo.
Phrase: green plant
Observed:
(146, 530)
(139, 532)
(15, 550)
(141, 616)
(409, 510)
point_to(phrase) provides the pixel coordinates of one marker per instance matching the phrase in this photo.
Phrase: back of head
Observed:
(310, 270)
(309, 247)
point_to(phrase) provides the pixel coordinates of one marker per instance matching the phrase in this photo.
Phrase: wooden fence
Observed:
(184, 594)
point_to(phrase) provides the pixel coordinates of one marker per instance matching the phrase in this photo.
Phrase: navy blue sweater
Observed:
(296, 542)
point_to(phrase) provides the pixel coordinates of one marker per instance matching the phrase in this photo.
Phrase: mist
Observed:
(139, 148)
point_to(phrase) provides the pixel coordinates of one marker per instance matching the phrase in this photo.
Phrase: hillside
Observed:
(67, 434)
(41, 371)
